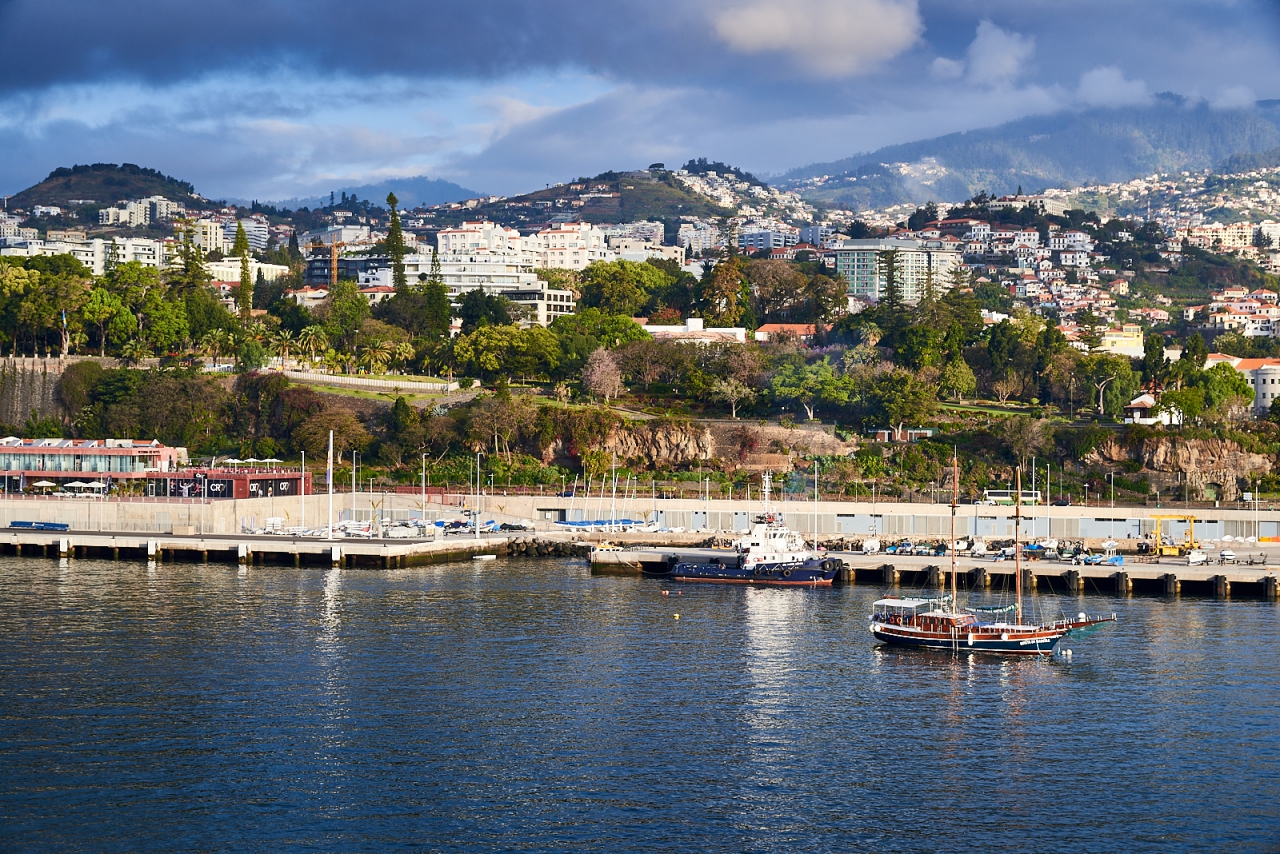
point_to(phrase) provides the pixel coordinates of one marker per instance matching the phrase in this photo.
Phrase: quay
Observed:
(247, 549)
(1168, 576)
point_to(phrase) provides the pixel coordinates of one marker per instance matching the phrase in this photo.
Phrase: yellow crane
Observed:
(1176, 549)
(333, 260)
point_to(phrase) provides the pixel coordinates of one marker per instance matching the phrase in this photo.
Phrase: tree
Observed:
(312, 339)
(1186, 403)
(890, 302)
(733, 392)
(620, 287)
(348, 433)
(722, 292)
(1113, 379)
(779, 289)
(1194, 351)
(395, 245)
(347, 312)
(101, 307)
(898, 398)
(957, 379)
(1155, 365)
(190, 272)
(601, 376)
(826, 298)
(477, 308)
(1025, 436)
(244, 293)
(805, 384)
(1003, 345)
(240, 248)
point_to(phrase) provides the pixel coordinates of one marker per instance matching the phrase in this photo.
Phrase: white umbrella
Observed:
(252, 460)
(270, 460)
(1227, 538)
(75, 484)
(95, 484)
(44, 483)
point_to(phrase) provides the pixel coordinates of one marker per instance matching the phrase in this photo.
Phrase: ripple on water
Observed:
(527, 705)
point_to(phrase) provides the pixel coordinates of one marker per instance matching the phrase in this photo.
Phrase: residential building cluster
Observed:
(482, 255)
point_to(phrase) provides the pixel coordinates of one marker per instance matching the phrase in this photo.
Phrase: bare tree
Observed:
(600, 375)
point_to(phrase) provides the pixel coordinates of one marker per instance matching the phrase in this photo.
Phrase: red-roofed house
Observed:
(803, 332)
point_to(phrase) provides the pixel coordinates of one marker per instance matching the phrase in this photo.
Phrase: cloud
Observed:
(1234, 98)
(1106, 86)
(947, 69)
(831, 38)
(997, 56)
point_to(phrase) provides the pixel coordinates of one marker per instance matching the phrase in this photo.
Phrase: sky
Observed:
(272, 99)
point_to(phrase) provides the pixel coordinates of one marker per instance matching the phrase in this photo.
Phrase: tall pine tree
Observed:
(244, 295)
(395, 246)
(890, 311)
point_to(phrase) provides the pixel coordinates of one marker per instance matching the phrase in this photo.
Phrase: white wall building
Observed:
(229, 269)
(256, 229)
(861, 264)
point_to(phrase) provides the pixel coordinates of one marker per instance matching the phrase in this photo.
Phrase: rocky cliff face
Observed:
(1212, 468)
(661, 444)
(655, 444)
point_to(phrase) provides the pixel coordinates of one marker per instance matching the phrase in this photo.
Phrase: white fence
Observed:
(407, 383)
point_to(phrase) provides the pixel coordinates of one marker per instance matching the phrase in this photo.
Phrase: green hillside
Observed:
(610, 197)
(1065, 149)
(105, 184)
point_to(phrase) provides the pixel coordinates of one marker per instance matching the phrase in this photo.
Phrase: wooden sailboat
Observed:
(938, 623)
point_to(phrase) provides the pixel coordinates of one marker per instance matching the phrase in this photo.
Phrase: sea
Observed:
(528, 705)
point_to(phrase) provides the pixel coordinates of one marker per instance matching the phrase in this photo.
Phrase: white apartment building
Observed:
(229, 270)
(256, 229)
(631, 249)
(647, 231)
(478, 235)
(209, 235)
(569, 246)
(699, 237)
(509, 274)
(861, 264)
(141, 212)
(348, 234)
(96, 254)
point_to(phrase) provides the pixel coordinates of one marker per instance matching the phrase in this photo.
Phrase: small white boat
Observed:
(484, 557)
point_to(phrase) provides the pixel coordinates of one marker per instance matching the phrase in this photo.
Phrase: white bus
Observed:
(1006, 496)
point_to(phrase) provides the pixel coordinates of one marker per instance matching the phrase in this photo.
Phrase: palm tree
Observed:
(403, 354)
(134, 351)
(214, 342)
(282, 341)
(376, 356)
(313, 340)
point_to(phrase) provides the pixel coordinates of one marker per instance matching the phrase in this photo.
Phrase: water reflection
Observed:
(531, 705)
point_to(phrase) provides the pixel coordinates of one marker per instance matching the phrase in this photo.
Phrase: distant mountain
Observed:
(1064, 149)
(104, 184)
(410, 192)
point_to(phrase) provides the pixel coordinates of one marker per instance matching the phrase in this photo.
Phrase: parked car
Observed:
(1062, 502)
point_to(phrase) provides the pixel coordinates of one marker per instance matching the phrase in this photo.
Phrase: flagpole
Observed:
(329, 477)
(302, 487)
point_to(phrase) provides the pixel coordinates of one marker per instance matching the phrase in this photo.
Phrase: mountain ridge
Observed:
(1098, 145)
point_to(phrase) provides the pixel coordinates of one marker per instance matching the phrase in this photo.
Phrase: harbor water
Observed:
(526, 705)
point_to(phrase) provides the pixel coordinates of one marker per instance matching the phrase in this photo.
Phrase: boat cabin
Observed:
(924, 614)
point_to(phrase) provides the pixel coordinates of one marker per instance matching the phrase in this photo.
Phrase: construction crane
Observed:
(1176, 549)
(333, 260)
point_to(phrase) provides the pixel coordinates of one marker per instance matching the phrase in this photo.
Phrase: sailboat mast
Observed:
(1017, 546)
(955, 498)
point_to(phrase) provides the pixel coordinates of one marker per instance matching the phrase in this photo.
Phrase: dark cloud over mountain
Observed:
(271, 98)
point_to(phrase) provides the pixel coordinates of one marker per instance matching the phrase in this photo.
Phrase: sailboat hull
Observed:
(1019, 643)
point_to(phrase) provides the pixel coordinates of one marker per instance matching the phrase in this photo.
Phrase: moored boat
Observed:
(938, 624)
(770, 553)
